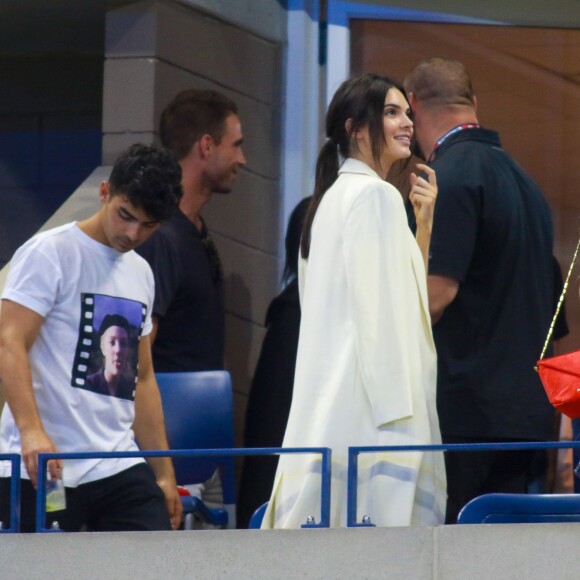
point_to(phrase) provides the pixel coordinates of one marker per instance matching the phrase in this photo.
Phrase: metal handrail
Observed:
(354, 452)
(325, 452)
(14, 526)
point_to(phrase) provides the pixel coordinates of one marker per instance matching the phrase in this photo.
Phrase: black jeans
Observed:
(127, 501)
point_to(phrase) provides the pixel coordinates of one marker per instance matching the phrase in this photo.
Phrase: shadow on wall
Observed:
(239, 334)
(39, 170)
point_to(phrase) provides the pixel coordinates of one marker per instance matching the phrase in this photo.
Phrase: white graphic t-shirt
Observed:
(96, 304)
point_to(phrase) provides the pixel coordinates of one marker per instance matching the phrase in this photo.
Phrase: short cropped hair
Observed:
(192, 114)
(150, 178)
(440, 81)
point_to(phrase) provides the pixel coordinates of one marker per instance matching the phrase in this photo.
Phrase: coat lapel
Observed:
(356, 166)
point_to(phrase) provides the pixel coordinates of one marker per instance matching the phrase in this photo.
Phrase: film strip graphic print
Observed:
(86, 341)
(94, 309)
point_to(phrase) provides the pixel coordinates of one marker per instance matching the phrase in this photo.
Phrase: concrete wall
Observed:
(266, 18)
(497, 552)
(158, 48)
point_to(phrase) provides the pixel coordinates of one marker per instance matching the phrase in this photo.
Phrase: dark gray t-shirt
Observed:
(189, 297)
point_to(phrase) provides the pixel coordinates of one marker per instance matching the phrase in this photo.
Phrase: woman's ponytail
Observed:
(326, 173)
(358, 103)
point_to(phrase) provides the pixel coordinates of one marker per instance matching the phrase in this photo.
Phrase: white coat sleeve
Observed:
(377, 266)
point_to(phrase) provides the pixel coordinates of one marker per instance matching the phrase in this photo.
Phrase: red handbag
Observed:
(560, 374)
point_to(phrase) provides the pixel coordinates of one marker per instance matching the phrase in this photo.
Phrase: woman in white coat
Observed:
(366, 365)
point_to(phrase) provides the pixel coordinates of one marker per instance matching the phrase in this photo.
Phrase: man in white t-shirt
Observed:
(75, 358)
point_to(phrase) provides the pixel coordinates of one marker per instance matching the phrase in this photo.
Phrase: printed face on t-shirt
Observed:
(115, 349)
(106, 357)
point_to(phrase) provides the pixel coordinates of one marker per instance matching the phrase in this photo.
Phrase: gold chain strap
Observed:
(560, 302)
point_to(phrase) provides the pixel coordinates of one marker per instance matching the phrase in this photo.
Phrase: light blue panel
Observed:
(302, 100)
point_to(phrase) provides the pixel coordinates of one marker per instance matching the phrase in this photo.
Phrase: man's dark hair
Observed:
(150, 178)
(192, 114)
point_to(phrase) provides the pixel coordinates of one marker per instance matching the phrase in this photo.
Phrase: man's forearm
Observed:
(19, 395)
(149, 427)
(153, 334)
(442, 291)
(17, 388)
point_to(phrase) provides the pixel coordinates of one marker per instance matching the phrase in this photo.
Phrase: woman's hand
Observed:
(423, 195)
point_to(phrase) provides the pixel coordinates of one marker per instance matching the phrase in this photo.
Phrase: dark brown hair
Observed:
(192, 114)
(361, 99)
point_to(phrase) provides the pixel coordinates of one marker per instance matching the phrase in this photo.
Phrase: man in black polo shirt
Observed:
(202, 129)
(490, 286)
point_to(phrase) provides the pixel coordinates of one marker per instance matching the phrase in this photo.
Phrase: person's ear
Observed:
(205, 146)
(356, 134)
(348, 125)
(475, 103)
(412, 101)
(104, 191)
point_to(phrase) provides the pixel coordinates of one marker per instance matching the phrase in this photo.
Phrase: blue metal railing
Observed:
(354, 452)
(325, 452)
(14, 493)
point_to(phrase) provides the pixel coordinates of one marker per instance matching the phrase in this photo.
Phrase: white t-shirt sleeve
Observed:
(148, 324)
(34, 277)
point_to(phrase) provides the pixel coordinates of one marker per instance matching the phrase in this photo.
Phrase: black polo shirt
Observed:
(493, 232)
(189, 298)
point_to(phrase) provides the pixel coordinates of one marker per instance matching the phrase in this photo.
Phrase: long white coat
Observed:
(366, 365)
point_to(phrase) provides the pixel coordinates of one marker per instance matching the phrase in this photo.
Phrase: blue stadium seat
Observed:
(509, 508)
(255, 522)
(198, 409)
